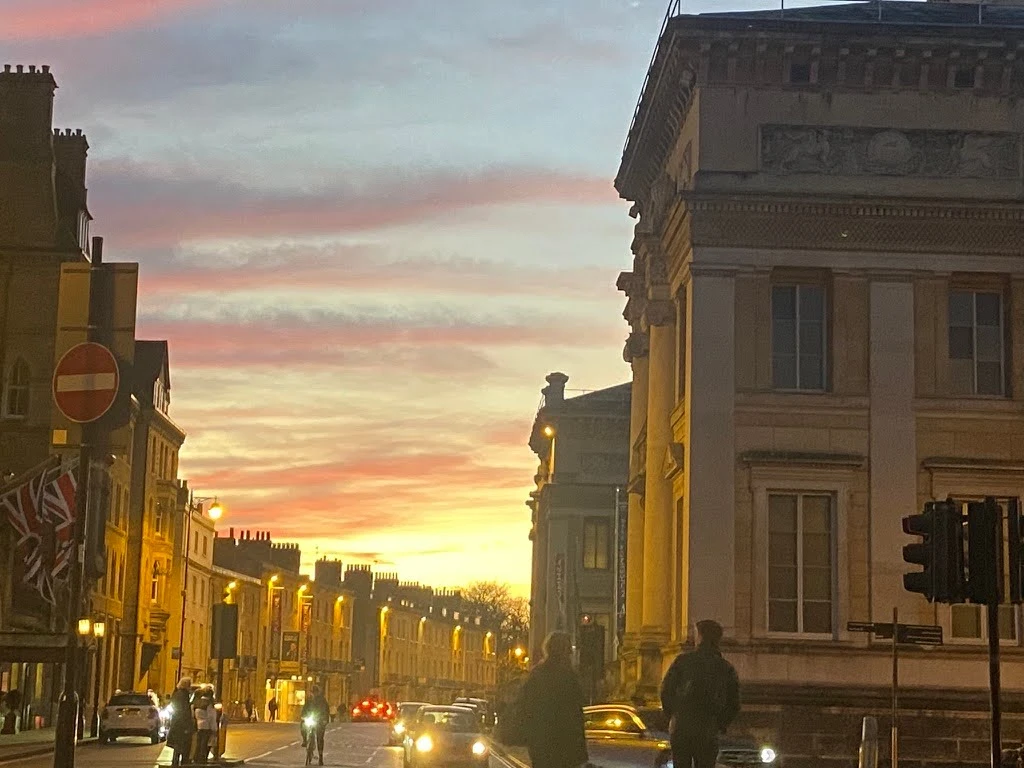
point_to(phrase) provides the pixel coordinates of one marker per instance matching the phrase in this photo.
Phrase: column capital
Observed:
(660, 312)
(638, 344)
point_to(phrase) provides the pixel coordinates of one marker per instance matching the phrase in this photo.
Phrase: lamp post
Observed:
(216, 510)
(99, 631)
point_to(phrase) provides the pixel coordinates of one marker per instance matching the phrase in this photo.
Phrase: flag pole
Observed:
(69, 710)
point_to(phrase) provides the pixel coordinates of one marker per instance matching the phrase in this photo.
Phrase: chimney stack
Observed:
(554, 392)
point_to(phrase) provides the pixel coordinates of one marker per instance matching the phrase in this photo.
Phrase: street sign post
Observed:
(905, 634)
(85, 382)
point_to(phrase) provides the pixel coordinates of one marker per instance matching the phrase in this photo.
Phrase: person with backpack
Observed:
(701, 697)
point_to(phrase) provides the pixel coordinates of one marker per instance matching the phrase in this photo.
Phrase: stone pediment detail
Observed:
(675, 455)
(847, 151)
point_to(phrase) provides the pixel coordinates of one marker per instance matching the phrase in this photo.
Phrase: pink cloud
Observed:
(54, 19)
(365, 268)
(143, 205)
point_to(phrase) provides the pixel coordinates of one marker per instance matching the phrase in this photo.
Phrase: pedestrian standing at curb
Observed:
(179, 733)
(701, 697)
(550, 709)
(272, 709)
(206, 728)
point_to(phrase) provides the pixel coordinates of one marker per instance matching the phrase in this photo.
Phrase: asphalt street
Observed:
(269, 745)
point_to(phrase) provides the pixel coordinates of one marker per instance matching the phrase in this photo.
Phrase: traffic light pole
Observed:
(895, 731)
(993, 681)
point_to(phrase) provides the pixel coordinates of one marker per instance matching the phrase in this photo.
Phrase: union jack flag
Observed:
(42, 512)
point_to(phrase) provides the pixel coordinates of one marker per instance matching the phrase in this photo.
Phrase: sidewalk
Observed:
(38, 741)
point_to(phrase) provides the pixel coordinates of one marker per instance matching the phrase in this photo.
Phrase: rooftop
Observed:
(914, 12)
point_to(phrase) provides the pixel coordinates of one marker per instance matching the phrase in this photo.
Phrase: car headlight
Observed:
(399, 728)
(424, 744)
(479, 748)
(768, 755)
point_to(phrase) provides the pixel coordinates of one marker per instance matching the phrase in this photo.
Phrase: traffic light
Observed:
(940, 552)
(1016, 550)
(985, 552)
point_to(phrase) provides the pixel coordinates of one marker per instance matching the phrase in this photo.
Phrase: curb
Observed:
(44, 749)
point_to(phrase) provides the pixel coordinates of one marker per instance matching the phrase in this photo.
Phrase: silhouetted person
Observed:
(272, 709)
(179, 733)
(551, 711)
(700, 694)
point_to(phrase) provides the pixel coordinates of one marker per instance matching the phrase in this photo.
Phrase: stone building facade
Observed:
(578, 518)
(827, 330)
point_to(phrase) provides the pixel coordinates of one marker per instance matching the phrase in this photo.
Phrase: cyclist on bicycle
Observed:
(317, 708)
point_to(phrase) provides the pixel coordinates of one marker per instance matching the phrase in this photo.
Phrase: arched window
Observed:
(16, 394)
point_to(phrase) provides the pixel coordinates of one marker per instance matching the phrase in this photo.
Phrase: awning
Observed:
(32, 647)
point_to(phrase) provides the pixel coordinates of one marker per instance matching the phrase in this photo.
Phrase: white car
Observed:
(132, 714)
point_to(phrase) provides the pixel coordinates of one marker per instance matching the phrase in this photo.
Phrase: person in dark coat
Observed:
(179, 733)
(700, 694)
(551, 709)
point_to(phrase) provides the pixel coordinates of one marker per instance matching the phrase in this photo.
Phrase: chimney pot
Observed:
(554, 392)
(32, 68)
(231, 532)
(46, 69)
(7, 67)
(21, 68)
(78, 132)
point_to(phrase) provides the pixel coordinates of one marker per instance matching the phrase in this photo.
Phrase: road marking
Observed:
(372, 755)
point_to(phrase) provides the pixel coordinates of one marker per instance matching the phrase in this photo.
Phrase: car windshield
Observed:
(130, 700)
(408, 710)
(653, 719)
(447, 720)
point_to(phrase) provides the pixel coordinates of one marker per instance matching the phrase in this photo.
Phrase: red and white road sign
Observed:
(85, 382)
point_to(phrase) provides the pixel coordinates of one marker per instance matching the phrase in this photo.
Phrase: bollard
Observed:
(869, 744)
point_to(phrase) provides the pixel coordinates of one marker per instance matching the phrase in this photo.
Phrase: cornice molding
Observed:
(638, 344)
(660, 312)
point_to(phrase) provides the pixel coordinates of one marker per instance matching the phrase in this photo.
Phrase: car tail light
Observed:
(355, 710)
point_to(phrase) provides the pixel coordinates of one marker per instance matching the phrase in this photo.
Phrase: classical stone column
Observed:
(658, 570)
(636, 354)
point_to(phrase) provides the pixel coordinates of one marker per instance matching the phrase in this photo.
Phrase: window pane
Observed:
(817, 514)
(990, 379)
(990, 343)
(988, 308)
(961, 343)
(810, 338)
(782, 616)
(782, 582)
(1007, 624)
(784, 371)
(961, 308)
(784, 302)
(966, 621)
(784, 337)
(961, 376)
(817, 584)
(782, 513)
(818, 617)
(782, 549)
(811, 374)
(812, 304)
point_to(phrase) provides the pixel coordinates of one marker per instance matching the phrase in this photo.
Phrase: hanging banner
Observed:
(560, 588)
(291, 647)
(621, 527)
(275, 625)
(307, 622)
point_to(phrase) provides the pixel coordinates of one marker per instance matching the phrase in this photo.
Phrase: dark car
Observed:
(623, 736)
(132, 714)
(445, 736)
(482, 706)
(371, 710)
(403, 719)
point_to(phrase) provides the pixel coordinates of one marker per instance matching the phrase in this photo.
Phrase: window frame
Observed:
(14, 386)
(798, 286)
(596, 524)
(832, 550)
(974, 291)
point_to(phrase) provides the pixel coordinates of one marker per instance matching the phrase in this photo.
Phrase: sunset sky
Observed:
(368, 229)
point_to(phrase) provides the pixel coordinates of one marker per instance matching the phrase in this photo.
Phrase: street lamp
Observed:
(215, 512)
(99, 631)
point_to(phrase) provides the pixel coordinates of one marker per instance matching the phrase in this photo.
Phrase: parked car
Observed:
(371, 710)
(132, 714)
(623, 736)
(403, 719)
(445, 736)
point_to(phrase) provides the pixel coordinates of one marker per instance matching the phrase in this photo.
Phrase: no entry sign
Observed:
(85, 382)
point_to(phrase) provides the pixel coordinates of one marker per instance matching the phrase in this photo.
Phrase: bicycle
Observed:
(310, 723)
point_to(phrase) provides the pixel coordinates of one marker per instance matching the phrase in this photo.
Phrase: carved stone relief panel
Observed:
(889, 152)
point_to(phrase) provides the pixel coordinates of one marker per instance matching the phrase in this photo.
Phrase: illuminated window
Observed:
(596, 544)
(16, 394)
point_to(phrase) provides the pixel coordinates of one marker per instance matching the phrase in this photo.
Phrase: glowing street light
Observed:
(549, 431)
(215, 511)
